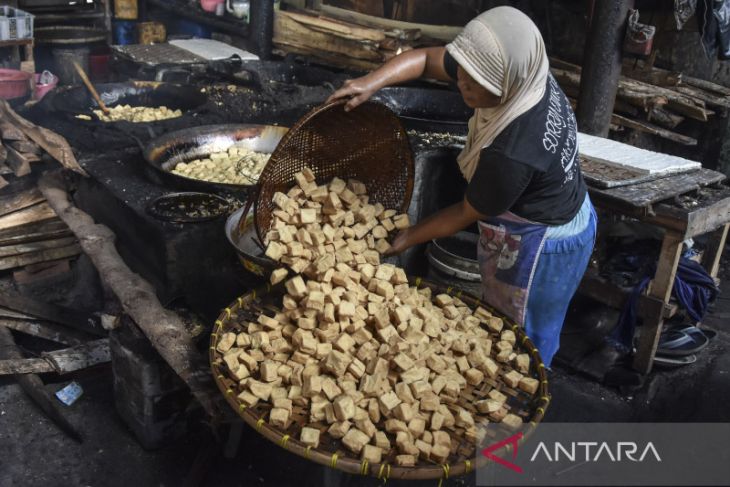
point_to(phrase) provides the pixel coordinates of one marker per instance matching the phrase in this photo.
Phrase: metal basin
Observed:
(164, 153)
(248, 246)
(456, 256)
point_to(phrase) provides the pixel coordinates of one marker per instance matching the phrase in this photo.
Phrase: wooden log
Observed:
(664, 117)
(25, 248)
(165, 330)
(440, 32)
(20, 200)
(55, 145)
(653, 129)
(76, 319)
(48, 255)
(79, 357)
(658, 77)
(25, 147)
(45, 330)
(711, 100)
(33, 386)
(336, 27)
(328, 58)
(290, 33)
(705, 85)
(24, 366)
(3, 154)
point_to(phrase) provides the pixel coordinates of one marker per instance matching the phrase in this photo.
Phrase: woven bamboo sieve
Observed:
(368, 143)
(330, 451)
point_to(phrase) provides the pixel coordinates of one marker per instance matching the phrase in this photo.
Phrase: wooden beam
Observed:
(47, 255)
(19, 163)
(715, 247)
(79, 357)
(20, 200)
(33, 214)
(45, 330)
(138, 298)
(79, 320)
(653, 129)
(45, 230)
(24, 366)
(443, 33)
(34, 247)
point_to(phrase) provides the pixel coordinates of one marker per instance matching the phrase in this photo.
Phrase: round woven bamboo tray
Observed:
(368, 143)
(330, 451)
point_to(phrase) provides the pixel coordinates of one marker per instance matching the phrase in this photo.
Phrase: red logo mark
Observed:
(512, 440)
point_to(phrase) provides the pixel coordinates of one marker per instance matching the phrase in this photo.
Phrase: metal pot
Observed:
(248, 247)
(164, 153)
(77, 100)
(456, 256)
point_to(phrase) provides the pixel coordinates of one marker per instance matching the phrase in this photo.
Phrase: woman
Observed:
(525, 186)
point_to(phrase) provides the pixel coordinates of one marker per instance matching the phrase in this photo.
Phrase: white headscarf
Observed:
(503, 51)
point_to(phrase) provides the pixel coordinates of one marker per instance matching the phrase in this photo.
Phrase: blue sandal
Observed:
(681, 342)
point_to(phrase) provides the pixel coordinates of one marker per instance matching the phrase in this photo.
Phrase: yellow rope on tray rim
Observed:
(446, 468)
(228, 313)
(467, 463)
(307, 451)
(364, 467)
(384, 472)
(283, 441)
(240, 302)
(259, 423)
(333, 462)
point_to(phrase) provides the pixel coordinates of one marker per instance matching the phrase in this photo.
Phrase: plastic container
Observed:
(14, 83)
(209, 5)
(124, 32)
(15, 24)
(41, 88)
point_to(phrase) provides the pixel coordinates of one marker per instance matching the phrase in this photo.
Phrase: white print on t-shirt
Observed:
(554, 123)
(570, 150)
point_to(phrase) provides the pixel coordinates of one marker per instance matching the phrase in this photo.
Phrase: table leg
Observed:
(715, 246)
(661, 288)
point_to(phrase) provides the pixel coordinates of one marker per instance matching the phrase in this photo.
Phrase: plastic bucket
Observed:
(124, 32)
(14, 83)
(41, 89)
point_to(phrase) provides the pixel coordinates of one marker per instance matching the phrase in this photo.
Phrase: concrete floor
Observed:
(33, 452)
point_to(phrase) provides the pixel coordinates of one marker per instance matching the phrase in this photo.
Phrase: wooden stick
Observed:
(26, 248)
(80, 356)
(79, 320)
(90, 87)
(46, 255)
(45, 330)
(138, 298)
(24, 366)
(653, 129)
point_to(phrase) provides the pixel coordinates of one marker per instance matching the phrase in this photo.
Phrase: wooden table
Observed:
(666, 203)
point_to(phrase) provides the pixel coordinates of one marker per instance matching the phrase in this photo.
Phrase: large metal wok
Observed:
(164, 153)
(427, 109)
(77, 100)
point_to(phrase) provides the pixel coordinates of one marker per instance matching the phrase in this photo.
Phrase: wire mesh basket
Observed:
(368, 143)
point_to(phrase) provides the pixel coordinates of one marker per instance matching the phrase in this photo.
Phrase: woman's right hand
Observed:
(358, 90)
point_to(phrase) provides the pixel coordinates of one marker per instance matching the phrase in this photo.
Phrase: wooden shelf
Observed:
(16, 42)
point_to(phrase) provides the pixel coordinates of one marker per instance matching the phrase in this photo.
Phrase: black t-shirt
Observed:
(531, 168)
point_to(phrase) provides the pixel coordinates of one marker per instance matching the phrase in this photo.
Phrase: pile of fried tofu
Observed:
(372, 361)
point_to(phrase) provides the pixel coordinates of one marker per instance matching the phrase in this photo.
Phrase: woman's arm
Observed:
(425, 62)
(441, 224)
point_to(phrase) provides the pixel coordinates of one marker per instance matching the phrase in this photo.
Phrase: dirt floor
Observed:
(34, 453)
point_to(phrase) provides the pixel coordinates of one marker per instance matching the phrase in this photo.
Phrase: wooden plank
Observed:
(20, 200)
(45, 330)
(10, 132)
(653, 130)
(644, 194)
(79, 320)
(711, 100)
(290, 33)
(9, 313)
(660, 288)
(336, 28)
(25, 366)
(33, 214)
(715, 247)
(25, 147)
(15, 261)
(80, 356)
(595, 287)
(25, 248)
(440, 32)
(664, 117)
(44, 231)
(3, 155)
(19, 163)
(3, 182)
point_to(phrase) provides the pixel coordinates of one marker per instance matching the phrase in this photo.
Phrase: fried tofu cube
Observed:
(488, 406)
(340, 429)
(405, 460)
(371, 454)
(225, 342)
(403, 361)
(355, 440)
(279, 417)
(474, 376)
(269, 370)
(309, 437)
(512, 378)
(275, 251)
(439, 453)
(522, 363)
(296, 287)
(529, 385)
(278, 275)
(401, 221)
(512, 420)
(344, 407)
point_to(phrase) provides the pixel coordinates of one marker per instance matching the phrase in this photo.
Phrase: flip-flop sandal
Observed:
(680, 342)
(673, 362)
